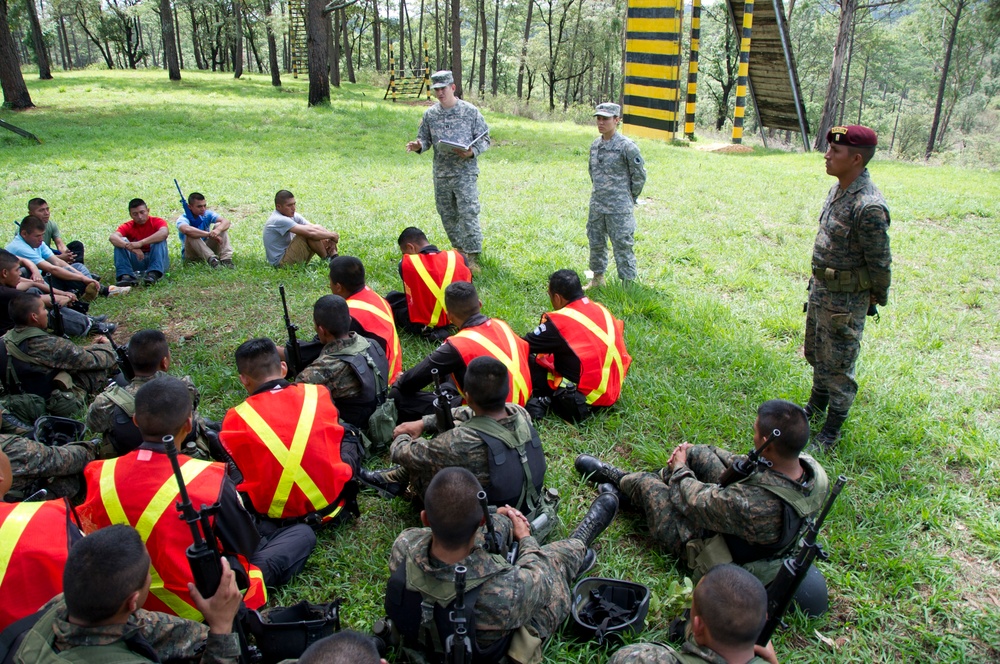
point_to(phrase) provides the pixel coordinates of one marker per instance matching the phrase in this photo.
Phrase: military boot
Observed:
(830, 433)
(596, 471)
(472, 262)
(596, 282)
(818, 401)
(600, 515)
(376, 479)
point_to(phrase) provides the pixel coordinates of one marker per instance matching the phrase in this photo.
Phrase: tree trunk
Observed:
(334, 45)
(63, 43)
(177, 39)
(494, 61)
(317, 34)
(348, 53)
(847, 10)
(169, 42)
(41, 53)
(199, 61)
(864, 83)
(847, 77)
(957, 16)
(15, 91)
(272, 47)
(238, 29)
(482, 51)
(377, 37)
(475, 48)
(456, 45)
(524, 50)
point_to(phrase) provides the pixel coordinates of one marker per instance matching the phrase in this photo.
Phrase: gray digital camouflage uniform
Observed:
(56, 469)
(618, 175)
(655, 653)
(456, 192)
(853, 238)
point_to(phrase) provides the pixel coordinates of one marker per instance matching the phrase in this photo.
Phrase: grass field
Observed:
(715, 325)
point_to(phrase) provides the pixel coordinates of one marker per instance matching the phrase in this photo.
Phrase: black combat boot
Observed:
(830, 433)
(818, 401)
(597, 471)
(608, 487)
(376, 480)
(600, 515)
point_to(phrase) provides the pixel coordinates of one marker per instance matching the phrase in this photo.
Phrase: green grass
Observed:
(715, 327)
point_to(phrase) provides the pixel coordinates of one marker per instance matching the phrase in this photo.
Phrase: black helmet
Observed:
(609, 606)
(285, 632)
(55, 431)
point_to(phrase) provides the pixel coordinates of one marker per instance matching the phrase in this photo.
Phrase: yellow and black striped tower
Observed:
(392, 73)
(652, 68)
(741, 80)
(692, 97)
(427, 71)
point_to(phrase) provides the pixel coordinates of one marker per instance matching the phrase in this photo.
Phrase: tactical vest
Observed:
(494, 338)
(371, 367)
(425, 276)
(140, 490)
(23, 373)
(286, 442)
(597, 339)
(517, 467)
(35, 538)
(413, 601)
(374, 315)
(37, 647)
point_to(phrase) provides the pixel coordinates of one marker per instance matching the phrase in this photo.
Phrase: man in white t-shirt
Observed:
(290, 239)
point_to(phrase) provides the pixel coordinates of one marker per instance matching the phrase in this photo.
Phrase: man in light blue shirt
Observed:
(205, 237)
(29, 245)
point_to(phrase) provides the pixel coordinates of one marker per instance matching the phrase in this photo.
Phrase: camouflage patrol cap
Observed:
(856, 136)
(441, 79)
(608, 110)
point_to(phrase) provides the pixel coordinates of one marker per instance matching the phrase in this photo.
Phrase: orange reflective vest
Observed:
(34, 542)
(374, 314)
(140, 490)
(494, 338)
(286, 442)
(597, 338)
(425, 276)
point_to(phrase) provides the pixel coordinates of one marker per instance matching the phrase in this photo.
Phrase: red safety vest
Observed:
(597, 338)
(494, 338)
(140, 490)
(425, 276)
(34, 542)
(286, 442)
(374, 314)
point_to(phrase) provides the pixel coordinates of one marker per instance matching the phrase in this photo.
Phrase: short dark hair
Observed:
(411, 234)
(35, 203)
(461, 299)
(162, 406)
(349, 272)
(332, 313)
(283, 196)
(7, 260)
(31, 224)
(136, 202)
(195, 196)
(22, 306)
(732, 603)
(146, 349)
(257, 358)
(346, 647)
(487, 383)
(791, 423)
(566, 283)
(866, 153)
(102, 570)
(452, 507)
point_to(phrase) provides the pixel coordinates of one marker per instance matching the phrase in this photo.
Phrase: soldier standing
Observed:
(457, 123)
(850, 272)
(618, 174)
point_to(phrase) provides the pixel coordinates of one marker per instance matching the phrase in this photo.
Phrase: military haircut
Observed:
(136, 202)
(349, 272)
(162, 406)
(283, 196)
(31, 224)
(22, 306)
(566, 283)
(411, 234)
(332, 313)
(461, 299)
(487, 383)
(102, 570)
(452, 507)
(8, 261)
(866, 153)
(257, 358)
(346, 647)
(34, 204)
(732, 603)
(195, 196)
(791, 423)
(146, 349)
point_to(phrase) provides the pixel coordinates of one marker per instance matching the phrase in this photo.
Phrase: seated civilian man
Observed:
(290, 239)
(28, 245)
(206, 237)
(140, 246)
(72, 252)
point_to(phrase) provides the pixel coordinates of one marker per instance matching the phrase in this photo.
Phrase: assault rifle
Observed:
(741, 468)
(292, 356)
(794, 570)
(458, 645)
(493, 542)
(442, 405)
(57, 320)
(187, 208)
(124, 363)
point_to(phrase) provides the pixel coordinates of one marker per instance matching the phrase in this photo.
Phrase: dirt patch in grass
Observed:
(981, 588)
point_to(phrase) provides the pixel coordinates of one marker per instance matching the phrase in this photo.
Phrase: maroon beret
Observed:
(856, 136)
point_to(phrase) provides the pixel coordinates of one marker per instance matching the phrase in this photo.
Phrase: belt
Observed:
(826, 273)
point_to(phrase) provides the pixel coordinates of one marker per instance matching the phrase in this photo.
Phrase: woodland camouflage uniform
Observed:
(655, 653)
(333, 372)
(33, 464)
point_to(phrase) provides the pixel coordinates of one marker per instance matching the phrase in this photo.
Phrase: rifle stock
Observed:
(293, 359)
(442, 405)
(57, 320)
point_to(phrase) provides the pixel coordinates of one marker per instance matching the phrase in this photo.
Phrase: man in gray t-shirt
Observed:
(290, 239)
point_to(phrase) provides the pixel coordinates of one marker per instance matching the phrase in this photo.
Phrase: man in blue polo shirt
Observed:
(205, 236)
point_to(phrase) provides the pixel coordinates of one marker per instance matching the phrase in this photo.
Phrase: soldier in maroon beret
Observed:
(850, 273)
